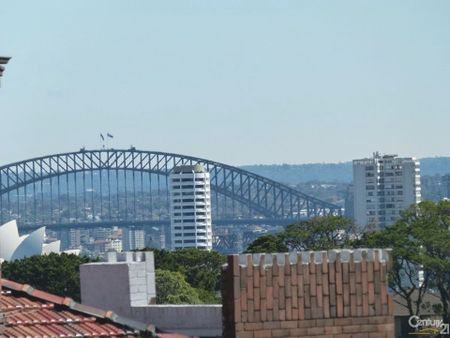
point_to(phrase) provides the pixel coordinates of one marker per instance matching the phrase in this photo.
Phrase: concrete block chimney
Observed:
(123, 280)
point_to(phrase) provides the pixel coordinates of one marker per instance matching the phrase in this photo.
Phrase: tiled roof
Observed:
(29, 313)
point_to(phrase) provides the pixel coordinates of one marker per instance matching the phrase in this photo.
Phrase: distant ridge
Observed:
(334, 172)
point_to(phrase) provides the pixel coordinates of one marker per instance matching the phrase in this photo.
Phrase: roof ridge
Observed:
(78, 307)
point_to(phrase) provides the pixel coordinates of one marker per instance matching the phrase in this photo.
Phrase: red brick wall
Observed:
(311, 294)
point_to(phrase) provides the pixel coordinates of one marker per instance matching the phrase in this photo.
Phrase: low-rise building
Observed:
(113, 245)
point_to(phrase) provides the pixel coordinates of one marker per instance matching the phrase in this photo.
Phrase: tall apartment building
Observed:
(445, 183)
(70, 238)
(190, 210)
(384, 185)
(133, 239)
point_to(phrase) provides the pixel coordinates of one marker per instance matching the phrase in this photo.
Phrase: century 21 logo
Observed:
(428, 326)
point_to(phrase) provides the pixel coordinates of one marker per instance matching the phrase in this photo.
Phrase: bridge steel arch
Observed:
(265, 196)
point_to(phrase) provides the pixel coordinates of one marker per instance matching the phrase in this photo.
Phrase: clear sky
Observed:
(240, 82)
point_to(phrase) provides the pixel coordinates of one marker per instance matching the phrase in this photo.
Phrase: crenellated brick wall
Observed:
(330, 294)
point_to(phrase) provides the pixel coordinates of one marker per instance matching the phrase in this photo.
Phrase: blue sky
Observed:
(240, 82)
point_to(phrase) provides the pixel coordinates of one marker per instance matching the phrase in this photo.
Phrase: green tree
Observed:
(267, 244)
(431, 230)
(420, 240)
(201, 269)
(172, 288)
(406, 262)
(55, 273)
(319, 233)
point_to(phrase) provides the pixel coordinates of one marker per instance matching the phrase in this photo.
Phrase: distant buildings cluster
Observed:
(97, 240)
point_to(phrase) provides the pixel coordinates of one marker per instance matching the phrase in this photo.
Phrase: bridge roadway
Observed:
(163, 222)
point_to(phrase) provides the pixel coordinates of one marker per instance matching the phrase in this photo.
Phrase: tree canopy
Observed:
(55, 273)
(172, 288)
(267, 243)
(319, 233)
(200, 268)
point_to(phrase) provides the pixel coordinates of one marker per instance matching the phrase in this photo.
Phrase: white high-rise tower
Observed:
(384, 186)
(190, 210)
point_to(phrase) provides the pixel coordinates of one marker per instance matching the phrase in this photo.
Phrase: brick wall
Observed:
(308, 294)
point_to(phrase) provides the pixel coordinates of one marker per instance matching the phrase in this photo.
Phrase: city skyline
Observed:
(264, 82)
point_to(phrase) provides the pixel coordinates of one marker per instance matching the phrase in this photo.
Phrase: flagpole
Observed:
(103, 141)
(109, 136)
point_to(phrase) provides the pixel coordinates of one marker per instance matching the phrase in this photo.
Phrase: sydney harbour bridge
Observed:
(109, 187)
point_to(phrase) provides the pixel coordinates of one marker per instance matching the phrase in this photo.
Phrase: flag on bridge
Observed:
(109, 135)
(102, 137)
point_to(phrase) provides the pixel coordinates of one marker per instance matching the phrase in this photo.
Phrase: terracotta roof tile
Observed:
(31, 313)
(171, 335)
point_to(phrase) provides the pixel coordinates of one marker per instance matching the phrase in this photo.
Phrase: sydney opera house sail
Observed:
(13, 246)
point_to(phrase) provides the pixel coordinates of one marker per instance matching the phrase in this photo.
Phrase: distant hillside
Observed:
(435, 166)
(334, 172)
(298, 173)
